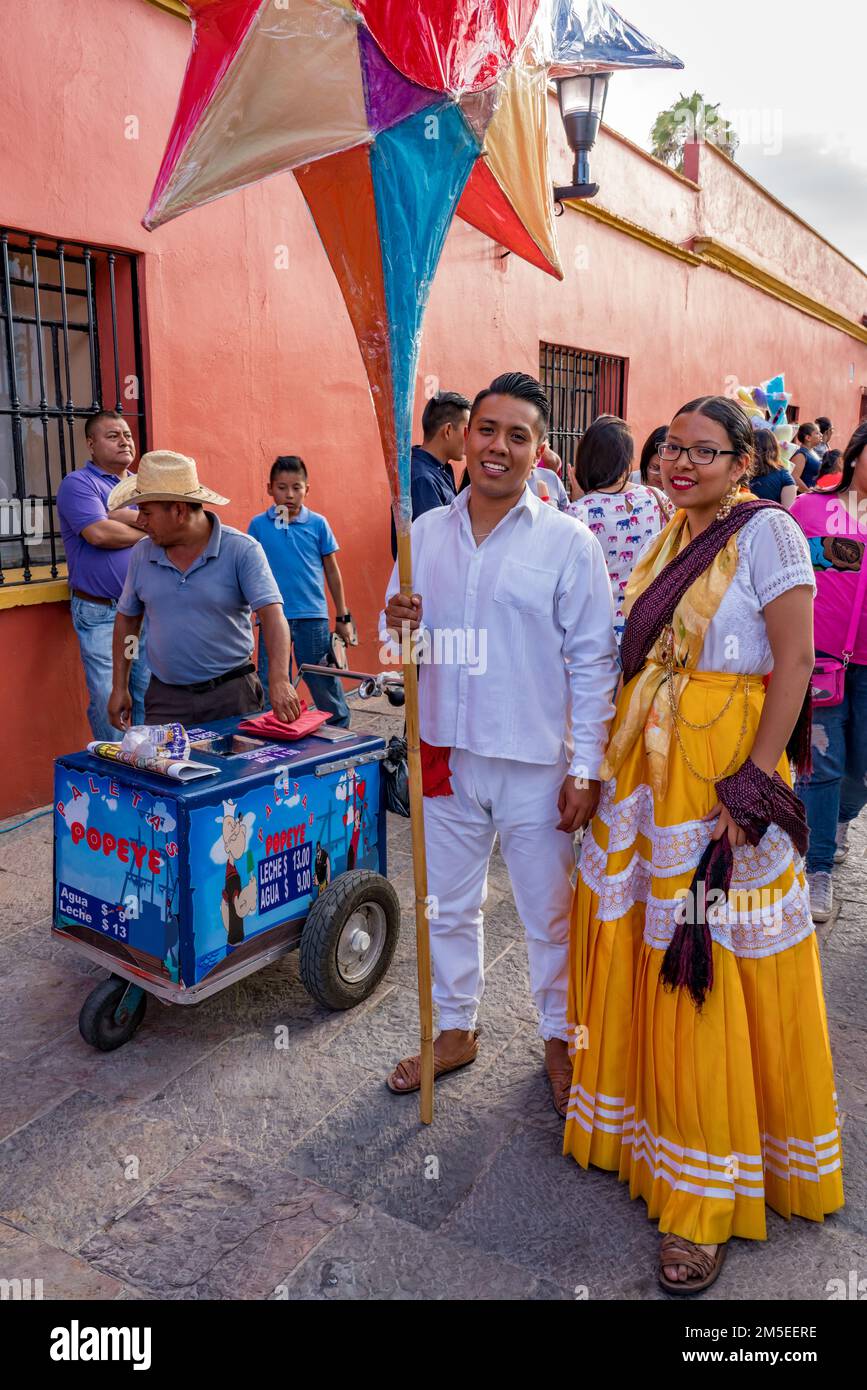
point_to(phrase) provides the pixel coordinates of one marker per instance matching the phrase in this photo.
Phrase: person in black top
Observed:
(804, 462)
(771, 479)
(432, 478)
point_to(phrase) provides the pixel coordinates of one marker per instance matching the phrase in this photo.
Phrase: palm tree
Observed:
(690, 118)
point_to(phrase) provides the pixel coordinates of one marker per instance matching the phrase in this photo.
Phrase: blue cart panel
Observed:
(184, 888)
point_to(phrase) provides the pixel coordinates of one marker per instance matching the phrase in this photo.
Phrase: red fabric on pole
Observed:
(436, 775)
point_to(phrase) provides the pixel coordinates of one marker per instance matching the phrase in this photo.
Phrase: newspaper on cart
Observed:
(163, 749)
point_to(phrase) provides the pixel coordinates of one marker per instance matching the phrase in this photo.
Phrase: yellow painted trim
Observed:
(721, 257)
(14, 593)
(173, 6)
(708, 252)
(623, 224)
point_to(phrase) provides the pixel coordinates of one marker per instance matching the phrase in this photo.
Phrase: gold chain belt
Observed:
(667, 643)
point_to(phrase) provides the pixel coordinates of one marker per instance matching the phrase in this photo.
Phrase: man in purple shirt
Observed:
(98, 544)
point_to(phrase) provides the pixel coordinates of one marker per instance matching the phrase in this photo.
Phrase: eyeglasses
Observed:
(698, 454)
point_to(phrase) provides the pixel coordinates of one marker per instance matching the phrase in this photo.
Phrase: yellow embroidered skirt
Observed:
(710, 1113)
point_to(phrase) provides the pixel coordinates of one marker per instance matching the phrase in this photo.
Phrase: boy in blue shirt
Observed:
(302, 551)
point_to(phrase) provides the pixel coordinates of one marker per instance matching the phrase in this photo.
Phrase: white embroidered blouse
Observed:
(773, 557)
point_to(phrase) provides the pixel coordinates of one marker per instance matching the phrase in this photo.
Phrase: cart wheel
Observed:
(97, 1021)
(349, 939)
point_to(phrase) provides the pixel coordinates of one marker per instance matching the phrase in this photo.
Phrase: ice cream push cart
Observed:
(181, 889)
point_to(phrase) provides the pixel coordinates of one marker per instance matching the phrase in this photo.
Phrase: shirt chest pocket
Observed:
(526, 588)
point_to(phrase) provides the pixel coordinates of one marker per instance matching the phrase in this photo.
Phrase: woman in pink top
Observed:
(623, 515)
(835, 524)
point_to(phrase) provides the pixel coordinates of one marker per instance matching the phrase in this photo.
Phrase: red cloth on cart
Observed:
(269, 726)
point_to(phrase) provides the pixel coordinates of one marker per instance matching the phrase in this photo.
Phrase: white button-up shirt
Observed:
(518, 657)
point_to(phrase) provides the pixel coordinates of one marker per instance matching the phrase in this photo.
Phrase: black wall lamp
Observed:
(582, 104)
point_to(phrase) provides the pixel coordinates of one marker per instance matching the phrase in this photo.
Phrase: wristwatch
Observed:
(343, 618)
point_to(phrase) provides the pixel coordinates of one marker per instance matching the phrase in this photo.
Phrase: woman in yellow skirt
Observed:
(702, 1068)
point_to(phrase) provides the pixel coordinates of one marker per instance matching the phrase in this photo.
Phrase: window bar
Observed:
(95, 385)
(68, 409)
(557, 393)
(551, 385)
(570, 412)
(567, 407)
(139, 361)
(554, 386)
(43, 409)
(581, 392)
(14, 399)
(58, 397)
(118, 403)
(59, 420)
(559, 406)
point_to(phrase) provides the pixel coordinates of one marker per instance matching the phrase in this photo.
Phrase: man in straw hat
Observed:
(197, 580)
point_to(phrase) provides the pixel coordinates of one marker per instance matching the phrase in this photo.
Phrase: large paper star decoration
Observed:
(393, 116)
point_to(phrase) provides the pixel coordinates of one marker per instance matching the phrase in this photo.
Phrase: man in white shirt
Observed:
(512, 624)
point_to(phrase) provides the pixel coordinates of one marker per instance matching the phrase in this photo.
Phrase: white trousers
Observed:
(518, 801)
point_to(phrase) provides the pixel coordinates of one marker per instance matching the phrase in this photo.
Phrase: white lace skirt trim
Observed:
(770, 922)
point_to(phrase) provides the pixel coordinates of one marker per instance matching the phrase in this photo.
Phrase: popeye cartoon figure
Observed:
(236, 902)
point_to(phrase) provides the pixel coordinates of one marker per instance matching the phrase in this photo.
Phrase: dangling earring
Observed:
(728, 502)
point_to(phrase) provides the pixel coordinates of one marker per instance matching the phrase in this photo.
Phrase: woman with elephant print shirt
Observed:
(622, 515)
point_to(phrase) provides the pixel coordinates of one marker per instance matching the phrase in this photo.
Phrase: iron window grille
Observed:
(70, 344)
(580, 386)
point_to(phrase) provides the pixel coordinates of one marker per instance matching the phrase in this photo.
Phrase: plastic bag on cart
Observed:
(157, 741)
(396, 775)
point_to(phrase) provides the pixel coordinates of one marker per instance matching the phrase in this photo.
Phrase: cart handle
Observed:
(318, 670)
(388, 683)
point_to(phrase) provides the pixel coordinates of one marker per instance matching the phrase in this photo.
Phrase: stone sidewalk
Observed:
(204, 1160)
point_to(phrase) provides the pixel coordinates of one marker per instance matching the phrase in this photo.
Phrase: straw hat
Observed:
(163, 477)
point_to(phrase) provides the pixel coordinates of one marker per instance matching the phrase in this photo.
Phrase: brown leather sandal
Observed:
(702, 1269)
(561, 1088)
(409, 1070)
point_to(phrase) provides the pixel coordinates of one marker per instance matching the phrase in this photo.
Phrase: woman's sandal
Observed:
(409, 1070)
(702, 1269)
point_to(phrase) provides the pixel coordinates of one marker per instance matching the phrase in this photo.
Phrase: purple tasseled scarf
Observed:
(753, 799)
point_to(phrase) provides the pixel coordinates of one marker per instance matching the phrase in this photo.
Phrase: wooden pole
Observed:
(419, 861)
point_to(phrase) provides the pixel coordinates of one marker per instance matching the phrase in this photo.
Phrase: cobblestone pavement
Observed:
(203, 1161)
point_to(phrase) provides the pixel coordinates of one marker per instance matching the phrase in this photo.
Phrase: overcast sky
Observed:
(791, 77)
